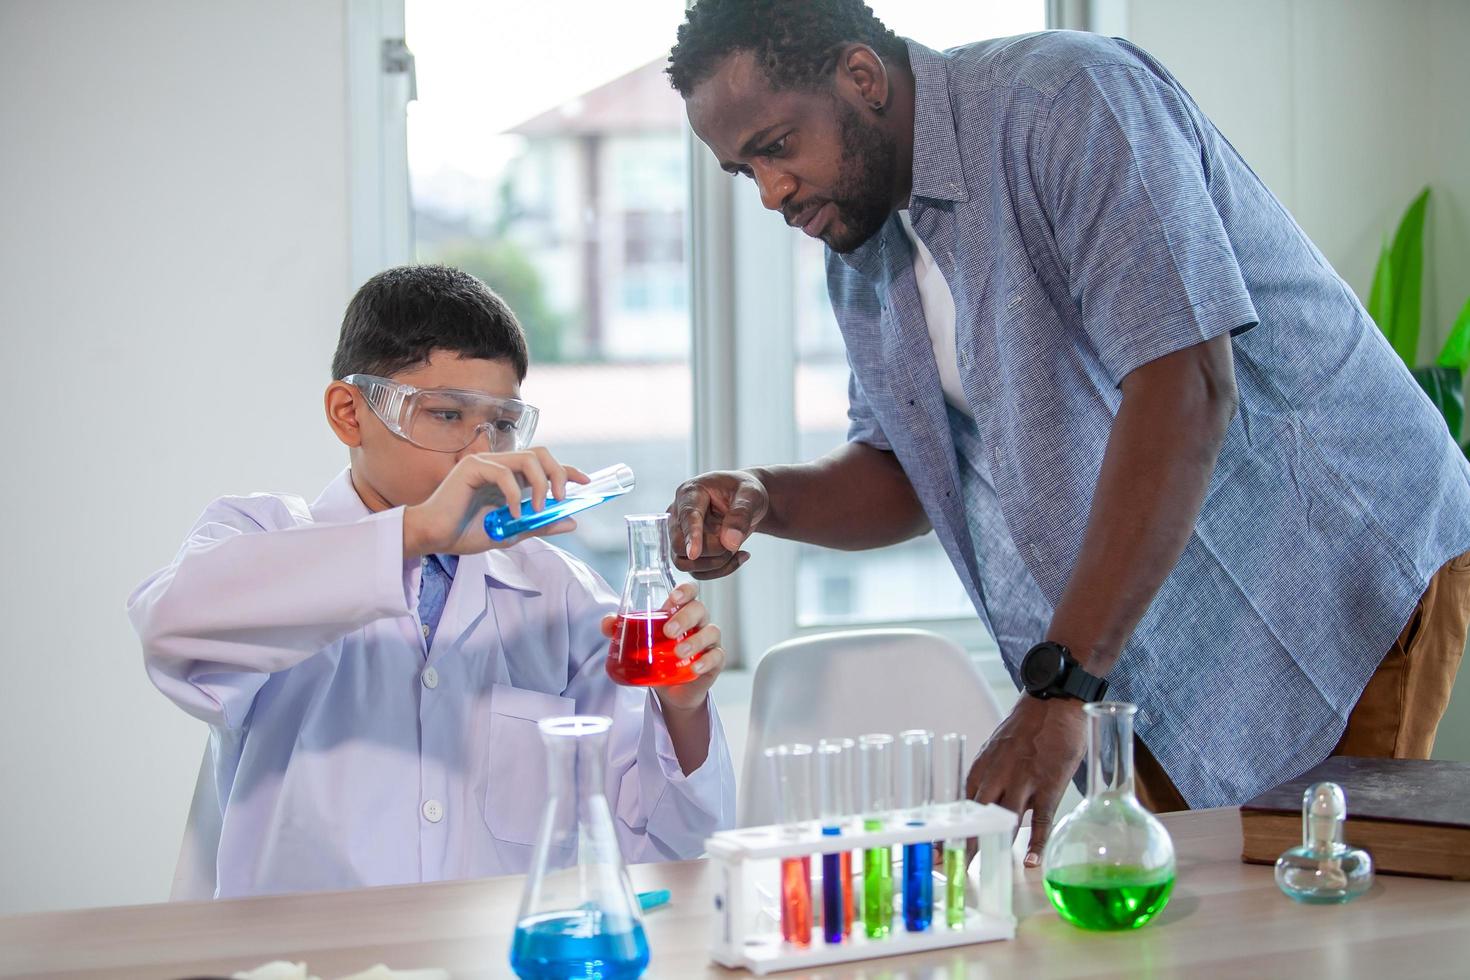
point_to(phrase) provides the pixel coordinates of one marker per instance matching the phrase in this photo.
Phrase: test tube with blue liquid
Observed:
(602, 486)
(835, 759)
(915, 761)
(791, 770)
(949, 782)
(875, 790)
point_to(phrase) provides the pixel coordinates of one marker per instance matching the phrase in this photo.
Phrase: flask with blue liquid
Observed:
(603, 485)
(579, 916)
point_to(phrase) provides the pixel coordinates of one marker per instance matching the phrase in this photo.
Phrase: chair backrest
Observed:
(851, 683)
(194, 875)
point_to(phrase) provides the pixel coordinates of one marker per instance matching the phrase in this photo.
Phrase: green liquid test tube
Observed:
(950, 761)
(875, 791)
(954, 885)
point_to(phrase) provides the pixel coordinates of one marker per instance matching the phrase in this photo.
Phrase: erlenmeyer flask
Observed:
(641, 654)
(579, 916)
(1109, 864)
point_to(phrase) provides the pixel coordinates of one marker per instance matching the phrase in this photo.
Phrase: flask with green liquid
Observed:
(1109, 864)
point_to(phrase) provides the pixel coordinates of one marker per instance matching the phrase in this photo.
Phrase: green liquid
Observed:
(1105, 897)
(954, 887)
(877, 887)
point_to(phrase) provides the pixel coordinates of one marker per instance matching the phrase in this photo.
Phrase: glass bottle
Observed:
(641, 654)
(1109, 864)
(1324, 870)
(579, 916)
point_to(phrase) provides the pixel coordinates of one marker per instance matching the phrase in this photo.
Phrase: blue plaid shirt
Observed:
(1088, 219)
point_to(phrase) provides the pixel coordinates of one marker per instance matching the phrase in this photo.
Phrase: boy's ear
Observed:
(341, 403)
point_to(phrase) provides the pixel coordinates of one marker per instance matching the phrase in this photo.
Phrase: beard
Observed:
(865, 179)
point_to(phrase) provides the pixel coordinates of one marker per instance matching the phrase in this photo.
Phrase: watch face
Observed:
(1041, 668)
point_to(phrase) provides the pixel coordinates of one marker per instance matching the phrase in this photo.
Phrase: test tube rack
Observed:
(741, 859)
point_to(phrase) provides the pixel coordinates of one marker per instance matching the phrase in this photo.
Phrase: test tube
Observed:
(791, 768)
(949, 782)
(915, 760)
(835, 758)
(875, 778)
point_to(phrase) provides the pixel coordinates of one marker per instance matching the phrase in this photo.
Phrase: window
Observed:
(550, 157)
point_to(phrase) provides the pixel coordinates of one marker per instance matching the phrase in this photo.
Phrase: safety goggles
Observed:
(447, 420)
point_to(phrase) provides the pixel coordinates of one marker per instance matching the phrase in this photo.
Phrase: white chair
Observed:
(851, 683)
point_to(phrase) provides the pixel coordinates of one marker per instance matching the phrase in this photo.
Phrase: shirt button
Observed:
(426, 631)
(433, 811)
(430, 678)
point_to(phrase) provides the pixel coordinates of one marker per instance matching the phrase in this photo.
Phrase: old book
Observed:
(1412, 815)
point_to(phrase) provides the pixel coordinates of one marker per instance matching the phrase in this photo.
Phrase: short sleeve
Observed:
(862, 424)
(1121, 174)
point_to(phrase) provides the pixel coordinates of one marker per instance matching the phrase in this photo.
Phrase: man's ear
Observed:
(341, 404)
(861, 71)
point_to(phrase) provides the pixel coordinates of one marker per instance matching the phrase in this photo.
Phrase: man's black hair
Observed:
(795, 42)
(402, 315)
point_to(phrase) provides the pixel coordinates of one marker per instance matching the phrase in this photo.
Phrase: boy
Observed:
(372, 666)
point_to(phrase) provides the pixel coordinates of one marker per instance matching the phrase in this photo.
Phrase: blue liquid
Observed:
(499, 523)
(581, 945)
(834, 929)
(918, 886)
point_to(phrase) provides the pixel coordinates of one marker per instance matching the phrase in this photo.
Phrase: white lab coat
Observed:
(346, 754)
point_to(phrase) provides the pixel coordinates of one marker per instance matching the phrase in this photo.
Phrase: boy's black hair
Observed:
(794, 41)
(401, 315)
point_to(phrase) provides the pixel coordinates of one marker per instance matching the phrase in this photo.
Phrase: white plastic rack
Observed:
(746, 864)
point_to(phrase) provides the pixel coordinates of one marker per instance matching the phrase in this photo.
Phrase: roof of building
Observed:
(641, 101)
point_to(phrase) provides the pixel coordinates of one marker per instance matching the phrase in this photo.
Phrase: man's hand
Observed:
(452, 520)
(713, 514)
(1027, 761)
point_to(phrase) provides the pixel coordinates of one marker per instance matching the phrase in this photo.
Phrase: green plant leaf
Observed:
(1380, 300)
(1445, 386)
(1406, 255)
(1456, 350)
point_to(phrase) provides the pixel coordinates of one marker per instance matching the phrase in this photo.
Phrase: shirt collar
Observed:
(340, 504)
(938, 172)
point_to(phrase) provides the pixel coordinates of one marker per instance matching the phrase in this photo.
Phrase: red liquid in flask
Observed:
(642, 656)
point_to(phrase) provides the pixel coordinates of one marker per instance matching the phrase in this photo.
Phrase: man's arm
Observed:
(1160, 457)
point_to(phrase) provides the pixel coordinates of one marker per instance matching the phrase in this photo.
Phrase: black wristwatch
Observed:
(1050, 671)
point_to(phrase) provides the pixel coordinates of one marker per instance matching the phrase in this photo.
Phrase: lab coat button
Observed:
(430, 678)
(433, 811)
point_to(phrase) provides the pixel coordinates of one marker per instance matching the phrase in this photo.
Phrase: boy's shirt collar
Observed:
(340, 504)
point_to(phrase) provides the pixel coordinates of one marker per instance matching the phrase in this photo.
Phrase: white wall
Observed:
(1346, 109)
(173, 268)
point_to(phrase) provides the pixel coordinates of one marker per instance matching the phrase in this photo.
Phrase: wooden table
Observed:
(1225, 919)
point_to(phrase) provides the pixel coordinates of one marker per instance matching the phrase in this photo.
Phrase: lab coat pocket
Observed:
(518, 790)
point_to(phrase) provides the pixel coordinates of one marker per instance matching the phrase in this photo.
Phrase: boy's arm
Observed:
(662, 812)
(258, 589)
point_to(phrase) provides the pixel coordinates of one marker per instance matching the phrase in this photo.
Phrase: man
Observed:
(1162, 443)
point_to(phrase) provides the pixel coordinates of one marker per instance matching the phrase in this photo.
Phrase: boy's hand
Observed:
(701, 644)
(452, 520)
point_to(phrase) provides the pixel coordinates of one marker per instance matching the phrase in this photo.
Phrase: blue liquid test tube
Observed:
(915, 762)
(835, 759)
(602, 486)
